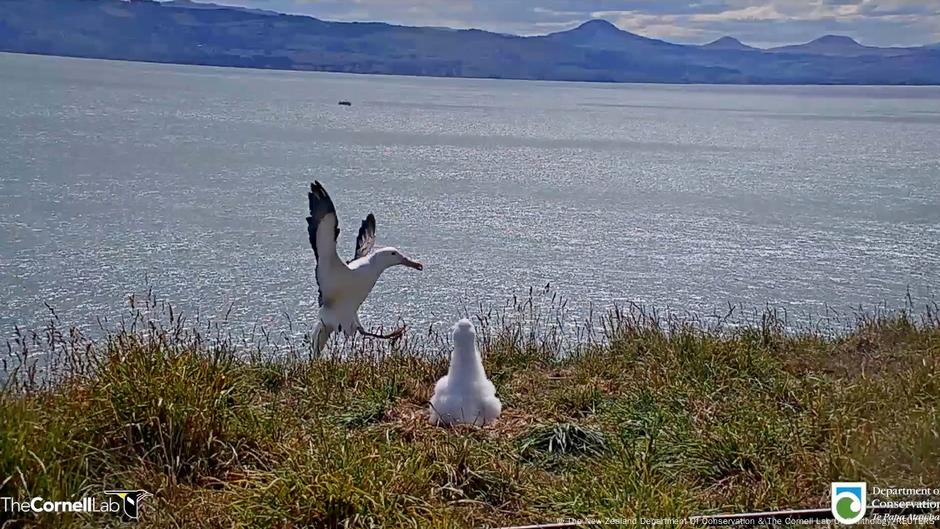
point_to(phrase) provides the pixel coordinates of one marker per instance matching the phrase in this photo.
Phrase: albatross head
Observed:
(388, 257)
(464, 337)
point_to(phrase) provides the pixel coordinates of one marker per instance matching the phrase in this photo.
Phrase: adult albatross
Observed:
(344, 285)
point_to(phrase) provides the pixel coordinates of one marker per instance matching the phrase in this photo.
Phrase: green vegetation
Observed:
(649, 417)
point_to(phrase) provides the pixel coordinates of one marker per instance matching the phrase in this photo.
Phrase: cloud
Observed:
(764, 13)
(657, 26)
(756, 22)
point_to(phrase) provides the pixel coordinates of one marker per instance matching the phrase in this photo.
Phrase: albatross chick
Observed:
(465, 396)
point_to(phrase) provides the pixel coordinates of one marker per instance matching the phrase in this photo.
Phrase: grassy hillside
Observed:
(660, 418)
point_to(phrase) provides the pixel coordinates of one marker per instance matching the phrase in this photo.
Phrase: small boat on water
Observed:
(345, 103)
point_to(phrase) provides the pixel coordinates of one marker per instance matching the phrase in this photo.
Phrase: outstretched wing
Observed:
(322, 225)
(322, 228)
(366, 239)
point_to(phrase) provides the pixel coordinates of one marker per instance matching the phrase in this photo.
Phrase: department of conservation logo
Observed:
(848, 501)
(130, 502)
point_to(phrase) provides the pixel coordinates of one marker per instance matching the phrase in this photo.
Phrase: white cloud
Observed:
(657, 26)
(748, 14)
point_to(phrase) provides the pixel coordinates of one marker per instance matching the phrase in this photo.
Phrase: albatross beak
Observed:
(413, 264)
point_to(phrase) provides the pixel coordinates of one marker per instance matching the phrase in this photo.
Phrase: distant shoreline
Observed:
(594, 51)
(381, 74)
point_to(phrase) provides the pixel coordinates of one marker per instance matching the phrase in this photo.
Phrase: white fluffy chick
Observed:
(465, 396)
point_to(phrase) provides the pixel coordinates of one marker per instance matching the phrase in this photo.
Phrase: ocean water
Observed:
(118, 177)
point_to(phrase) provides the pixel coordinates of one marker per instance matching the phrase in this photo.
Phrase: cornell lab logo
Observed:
(848, 501)
(130, 502)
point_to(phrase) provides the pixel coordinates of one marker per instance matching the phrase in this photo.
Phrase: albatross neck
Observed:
(465, 362)
(374, 266)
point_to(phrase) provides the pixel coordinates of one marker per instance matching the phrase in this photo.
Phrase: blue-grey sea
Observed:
(116, 177)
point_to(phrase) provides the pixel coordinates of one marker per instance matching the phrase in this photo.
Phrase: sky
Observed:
(760, 23)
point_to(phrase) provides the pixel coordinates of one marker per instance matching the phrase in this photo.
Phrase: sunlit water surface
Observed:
(191, 180)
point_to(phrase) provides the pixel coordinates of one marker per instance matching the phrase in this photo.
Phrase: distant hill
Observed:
(184, 32)
(189, 4)
(601, 34)
(842, 46)
(728, 43)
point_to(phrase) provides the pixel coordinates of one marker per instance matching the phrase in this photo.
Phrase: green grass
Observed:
(654, 417)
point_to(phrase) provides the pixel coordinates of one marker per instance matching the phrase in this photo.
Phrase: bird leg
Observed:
(394, 335)
(322, 336)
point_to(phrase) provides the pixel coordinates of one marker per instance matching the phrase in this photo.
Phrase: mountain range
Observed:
(182, 31)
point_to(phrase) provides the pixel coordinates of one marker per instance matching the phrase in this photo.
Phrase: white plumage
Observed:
(345, 285)
(465, 396)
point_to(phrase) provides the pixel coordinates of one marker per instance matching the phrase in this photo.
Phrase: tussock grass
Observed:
(633, 415)
(564, 438)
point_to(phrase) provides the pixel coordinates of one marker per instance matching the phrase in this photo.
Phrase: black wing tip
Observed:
(320, 205)
(317, 190)
(320, 201)
(366, 238)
